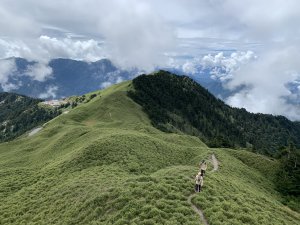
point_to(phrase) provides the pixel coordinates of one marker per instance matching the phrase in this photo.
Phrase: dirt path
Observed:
(197, 210)
(215, 163)
(34, 131)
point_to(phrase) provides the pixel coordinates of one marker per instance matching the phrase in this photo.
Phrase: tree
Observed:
(288, 177)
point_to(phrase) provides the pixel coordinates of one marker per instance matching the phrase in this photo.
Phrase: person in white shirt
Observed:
(203, 167)
(199, 182)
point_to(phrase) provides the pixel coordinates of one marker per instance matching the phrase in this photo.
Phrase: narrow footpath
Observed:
(215, 163)
(195, 208)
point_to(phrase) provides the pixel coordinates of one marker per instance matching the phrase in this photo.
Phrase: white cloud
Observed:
(119, 80)
(49, 93)
(45, 48)
(112, 78)
(190, 67)
(133, 33)
(89, 50)
(220, 66)
(105, 84)
(137, 36)
(260, 84)
(7, 67)
(16, 24)
(138, 33)
(233, 19)
(39, 71)
(270, 104)
(228, 64)
(267, 82)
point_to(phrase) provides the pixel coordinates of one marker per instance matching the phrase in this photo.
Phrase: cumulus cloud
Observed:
(229, 63)
(89, 50)
(45, 48)
(133, 33)
(138, 33)
(138, 41)
(190, 67)
(105, 84)
(7, 68)
(222, 67)
(111, 78)
(266, 84)
(39, 72)
(219, 66)
(266, 81)
(49, 93)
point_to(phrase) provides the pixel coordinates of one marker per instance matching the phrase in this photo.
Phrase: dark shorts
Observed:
(202, 172)
(197, 188)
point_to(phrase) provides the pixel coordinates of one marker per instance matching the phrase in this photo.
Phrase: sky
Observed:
(256, 43)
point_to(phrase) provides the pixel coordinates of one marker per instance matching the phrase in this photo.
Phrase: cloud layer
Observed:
(49, 93)
(267, 81)
(146, 34)
(134, 35)
(219, 65)
(266, 84)
(7, 68)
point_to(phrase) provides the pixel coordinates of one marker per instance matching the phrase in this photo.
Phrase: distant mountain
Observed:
(19, 114)
(179, 104)
(72, 77)
(69, 77)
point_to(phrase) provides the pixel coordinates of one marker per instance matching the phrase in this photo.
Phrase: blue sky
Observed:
(147, 34)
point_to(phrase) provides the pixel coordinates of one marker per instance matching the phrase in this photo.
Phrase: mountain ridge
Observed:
(177, 103)
(104, 163)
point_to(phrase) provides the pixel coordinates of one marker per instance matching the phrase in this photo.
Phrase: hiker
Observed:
(203, 167)
(199, 182)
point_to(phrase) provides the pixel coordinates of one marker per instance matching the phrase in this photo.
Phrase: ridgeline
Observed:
(179, 104)
(105, 163)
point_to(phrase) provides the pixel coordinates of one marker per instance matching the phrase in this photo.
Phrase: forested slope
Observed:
(19, 114)
(179, 104)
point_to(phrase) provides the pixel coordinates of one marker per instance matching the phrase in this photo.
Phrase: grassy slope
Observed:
(103, 163)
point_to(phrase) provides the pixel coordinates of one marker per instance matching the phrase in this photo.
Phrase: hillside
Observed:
(104, 163)
(19, 113)
(179, 104)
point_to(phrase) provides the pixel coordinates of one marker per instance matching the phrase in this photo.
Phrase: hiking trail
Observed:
(195, 208)
(215, 163)
(34, 131)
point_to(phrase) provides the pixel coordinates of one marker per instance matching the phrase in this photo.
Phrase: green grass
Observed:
(104, 163)
(242, 192)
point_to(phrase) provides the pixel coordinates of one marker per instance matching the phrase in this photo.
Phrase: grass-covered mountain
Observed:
(179, 104)
(19, 113)
(104, 163)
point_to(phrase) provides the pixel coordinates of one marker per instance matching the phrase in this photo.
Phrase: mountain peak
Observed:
(179, 104)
